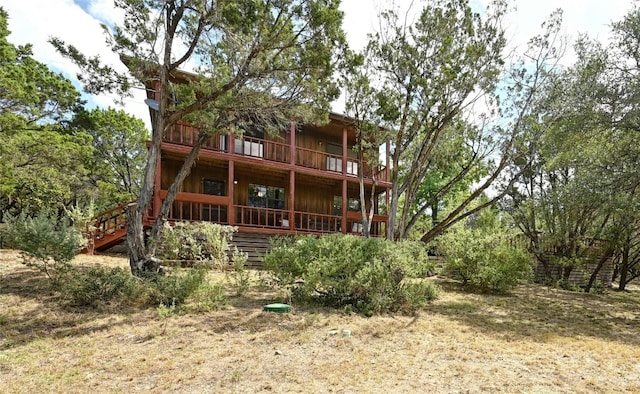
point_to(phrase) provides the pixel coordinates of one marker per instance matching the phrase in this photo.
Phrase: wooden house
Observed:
(305, 180)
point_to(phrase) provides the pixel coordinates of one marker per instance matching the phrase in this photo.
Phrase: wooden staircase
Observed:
(255, 245)
(108, 229)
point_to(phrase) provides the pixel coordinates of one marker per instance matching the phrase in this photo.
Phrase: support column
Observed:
(292, 199)
(231, 143)
(344, 206)
(292, 143)
(344, 150)
(231, 212)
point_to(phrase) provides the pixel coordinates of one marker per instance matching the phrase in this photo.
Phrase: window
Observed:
(212, 188)
(335, 163)
(249, 146)
(353, 205)
(266, 196)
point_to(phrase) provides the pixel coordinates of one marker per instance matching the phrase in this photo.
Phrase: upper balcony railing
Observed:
(275, 151)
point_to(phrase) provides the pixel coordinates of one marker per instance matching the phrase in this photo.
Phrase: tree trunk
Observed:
(624, 268)
(594, 275)
(139, 260)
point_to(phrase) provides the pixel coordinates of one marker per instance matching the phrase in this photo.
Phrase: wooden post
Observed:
(344, 150)
(231, 143)
(231, 212)
(344, 206)
(292, 143)
(292, 199)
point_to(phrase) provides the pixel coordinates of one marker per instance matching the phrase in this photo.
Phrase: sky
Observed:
(78, 23)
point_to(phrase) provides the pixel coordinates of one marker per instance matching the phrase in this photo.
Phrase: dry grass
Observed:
(536, 340)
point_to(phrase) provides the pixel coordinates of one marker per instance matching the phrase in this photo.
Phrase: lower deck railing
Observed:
(216, 209)
(198, 207)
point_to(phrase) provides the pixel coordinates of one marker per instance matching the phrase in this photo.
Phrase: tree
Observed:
(119, 154)
(31, 95)
(429, 76)
(257, 63)
(576, 196)
(41, 166)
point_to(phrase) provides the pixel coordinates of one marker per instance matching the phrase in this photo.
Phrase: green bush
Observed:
(47, 242)
(175, 287)
(117, 287)
(367, 275)
(239, 277)
(95, 286)
(194, 241)
(484, 259)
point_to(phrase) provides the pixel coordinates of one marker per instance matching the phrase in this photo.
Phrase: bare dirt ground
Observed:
(535, 340)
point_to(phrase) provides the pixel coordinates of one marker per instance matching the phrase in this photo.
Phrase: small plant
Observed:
(164, 313)
(208, 297)
(47, 243)
(97, 286)
(177, 286)
(240, 277)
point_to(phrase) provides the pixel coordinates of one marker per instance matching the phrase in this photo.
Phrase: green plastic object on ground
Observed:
(278, 308)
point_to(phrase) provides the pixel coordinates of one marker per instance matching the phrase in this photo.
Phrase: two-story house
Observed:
(305, 180)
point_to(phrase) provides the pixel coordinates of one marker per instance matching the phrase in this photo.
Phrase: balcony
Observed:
(276, 152)
(199, 207)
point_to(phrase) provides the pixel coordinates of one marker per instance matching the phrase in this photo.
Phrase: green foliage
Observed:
(47, 242)
(240, 277)
(97, 285)
(369, 275)
(176, 287)
(484, 258)
(209, 296)
(119, 153)
(116, 287)
(195, 242)
(31, 94)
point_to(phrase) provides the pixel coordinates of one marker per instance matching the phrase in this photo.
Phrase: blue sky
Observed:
(78, 23)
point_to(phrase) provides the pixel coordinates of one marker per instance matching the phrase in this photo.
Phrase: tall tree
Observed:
(41, 166)
(429, 75)
(257, 62)
(119, 154)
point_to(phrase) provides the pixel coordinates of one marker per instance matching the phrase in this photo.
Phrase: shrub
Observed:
(367, 275)
(46, 242)
(117, 287)
(484, 259)
(240, 277)
(194, 241)
(95, 286)
(176, 286)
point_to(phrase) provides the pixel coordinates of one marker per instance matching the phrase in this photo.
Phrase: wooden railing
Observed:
(261, 217)
(183, 134)
(378, 224)
(317, 223)
(109, 227)
(263, 149)
(194, 206)
(106, 224)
